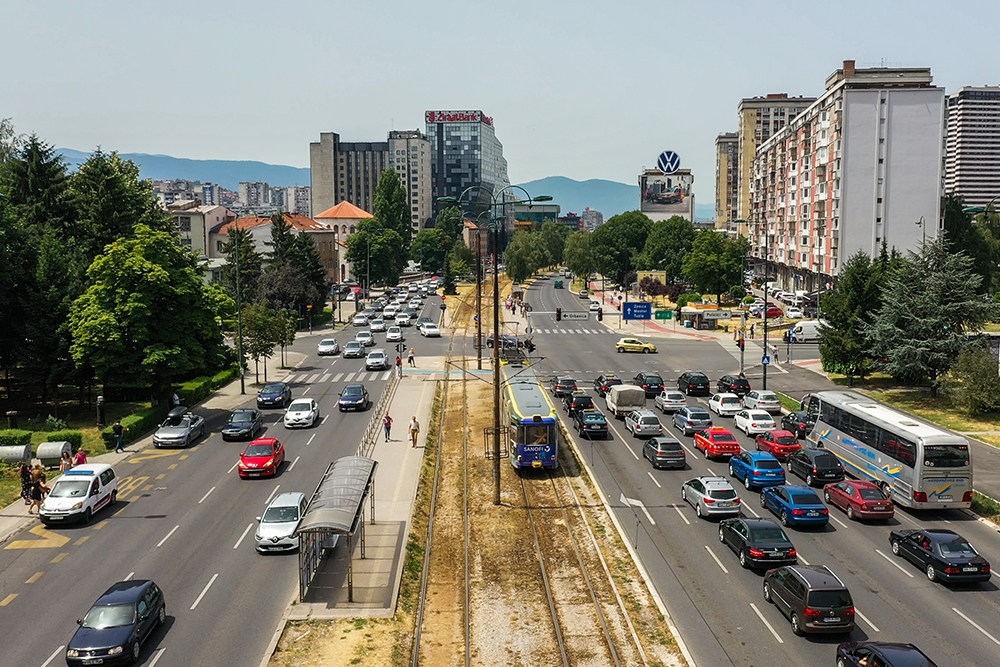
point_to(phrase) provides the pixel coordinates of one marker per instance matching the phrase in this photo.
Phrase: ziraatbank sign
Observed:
(457, 117)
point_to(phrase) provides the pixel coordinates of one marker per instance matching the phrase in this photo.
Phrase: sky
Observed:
(579, 89)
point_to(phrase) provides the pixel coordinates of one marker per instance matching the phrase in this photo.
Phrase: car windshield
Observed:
(300, 406)
(804, 498)
(177, 422)
(241, 418)
(767, 397)
(280, 515)
(786, 440)
(730, 400)
(272, 389)
(654, 379)
(583, 400)
(70, 488)
(725, 438)
(946, 456)
(830, 599)
(826, 461)
(109, 616)
(674, 397)
(871, 494)
(770, 534)
(768, 464)
(352, 391)
(259, 450)
(722, 494)
(958, 548)
(353, 344)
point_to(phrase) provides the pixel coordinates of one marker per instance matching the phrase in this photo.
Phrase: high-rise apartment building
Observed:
(759, 118)
(592, 219)
(255, 195)
(860, 166)
(297, 199)
(345, 171)
(727, 179)
(972, 145)
(410, 156)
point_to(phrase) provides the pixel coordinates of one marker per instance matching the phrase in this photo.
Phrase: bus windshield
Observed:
(946, 456)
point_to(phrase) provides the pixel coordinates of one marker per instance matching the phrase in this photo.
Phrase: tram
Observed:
(531, 419)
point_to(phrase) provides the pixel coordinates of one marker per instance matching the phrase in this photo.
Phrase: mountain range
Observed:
(608, 197)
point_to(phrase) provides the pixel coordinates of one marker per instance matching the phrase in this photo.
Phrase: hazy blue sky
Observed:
(581, 89)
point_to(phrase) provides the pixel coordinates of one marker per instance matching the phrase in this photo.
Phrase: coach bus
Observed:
(531, 419)
(918, 465)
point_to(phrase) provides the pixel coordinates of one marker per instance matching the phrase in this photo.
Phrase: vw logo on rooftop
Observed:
(668, 162)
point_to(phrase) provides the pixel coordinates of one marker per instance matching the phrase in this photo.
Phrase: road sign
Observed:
(765, 360)
(475, 318)
(575, 316)
(668, 162)
(716, 314)
(663, 314)
(637, 310)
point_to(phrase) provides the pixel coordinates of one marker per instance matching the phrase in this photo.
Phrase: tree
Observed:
(392, 206)
(15, 282)
(973, 381)
(715, 262)
(264, 327)
(293, 275)
(929, 305)
(382, 246)
(617, 242)
(240, 251)
(10, 142)
(450, 221)
(979, 242)
(36, 184)
(853, 302)
(430, 249)
(667, 245)
(145, 320)
(521, 257)
(552, 236)
(577, 254)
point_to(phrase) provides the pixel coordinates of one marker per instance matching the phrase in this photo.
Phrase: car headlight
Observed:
(268, 464)
(116, 650)
(256, 536)
(72, 653)
(77, 506)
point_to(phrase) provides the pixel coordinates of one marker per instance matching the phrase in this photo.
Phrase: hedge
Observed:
(198, 389)
(74, 438)
(14, 437)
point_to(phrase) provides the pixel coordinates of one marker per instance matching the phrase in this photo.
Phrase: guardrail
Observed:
(367, 444)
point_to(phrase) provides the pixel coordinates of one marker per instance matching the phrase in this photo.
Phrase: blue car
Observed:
(117, 624)
(274, 395)
(757, 469)
(795, 505)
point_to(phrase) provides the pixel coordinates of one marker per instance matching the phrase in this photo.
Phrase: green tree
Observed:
(577, 255)
(521, 257)
(10, 142)
(853, 302)
(263, 329)
(293, 275)
(239, 250)
(980, 242)
(382, 246)
(973, 382)
(145, 319)
(430, 249)
(715, 262)
(392, 206)
(667, 245)
(36, 184)
(450, 221)
(16, 281)
(552, 236)
(616, 244)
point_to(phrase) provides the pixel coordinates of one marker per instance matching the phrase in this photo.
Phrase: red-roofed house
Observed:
(344, 217)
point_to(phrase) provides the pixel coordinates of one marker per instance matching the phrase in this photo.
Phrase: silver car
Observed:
(377, 324)
(376, 360)
(393, 334)
(670, 401)
(353, 349)
(761, 399)
(711, 496)
(365, 338)
(643, 423)
(359, 321)
(276, 531)
(328, 346)
(690, 419)
(179, 429)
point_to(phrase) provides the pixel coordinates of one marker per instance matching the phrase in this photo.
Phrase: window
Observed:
(184, 223)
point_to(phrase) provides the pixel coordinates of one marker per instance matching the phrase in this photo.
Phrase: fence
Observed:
(367, 444)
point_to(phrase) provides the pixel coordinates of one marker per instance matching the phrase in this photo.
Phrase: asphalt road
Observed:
(718, 607)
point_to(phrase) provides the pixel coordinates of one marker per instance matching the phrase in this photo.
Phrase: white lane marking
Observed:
(290, 379)
(312, 378)
(801, 558)
(130, 575)
(894, 563)
(306, 391)
(838, 521)
(336, 378)
(654, 479)
(272, 494)
(293, 463)
(629, 448)
(865, 619)
(764, 621)
(206, 495)
(334, 363)
(750, 509)
(207, 586)
(156, 658)
(976, 626)
(326, 376)
(160, 543)
(638, 503)
(716, 559)
(350, 376)
(681, 514)
(53, 656)
(385, 376)
(323, 421)
(245, 531)
(233, 468)
(310, 440)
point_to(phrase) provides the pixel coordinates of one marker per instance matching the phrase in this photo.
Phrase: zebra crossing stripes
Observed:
(357, 376)
(576, 331)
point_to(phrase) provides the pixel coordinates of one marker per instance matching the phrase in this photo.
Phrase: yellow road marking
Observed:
(148, 487)
(184, 456)
(149, 455)
(102, 524)
(128, 485)
(7, 600)
(160, 476)
(61, 557)
(35, 577)
(171, 466)
(47, 540)
(81, 540)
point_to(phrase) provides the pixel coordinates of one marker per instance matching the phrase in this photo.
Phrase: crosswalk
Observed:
(360, 376)
(577, 331)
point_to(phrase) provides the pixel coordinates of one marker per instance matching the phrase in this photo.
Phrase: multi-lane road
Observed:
(716, 605)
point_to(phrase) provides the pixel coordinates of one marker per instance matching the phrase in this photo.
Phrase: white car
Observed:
(794, 313)
(594, 306)
(393, 334)
(376, 361)
(302, 412)
(359, 321)
(328, 346)
(365, 338)
(377, 325)
(725, 405)
(404, 320)
(753, 422)
(761, 399)
(670, 400)
(430, 330)
(390, 311)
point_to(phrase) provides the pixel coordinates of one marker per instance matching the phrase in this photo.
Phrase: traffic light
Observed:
(600, 314)
(558, 314)
(742, 343)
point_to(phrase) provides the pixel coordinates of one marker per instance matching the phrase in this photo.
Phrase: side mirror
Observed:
(258, 519)
(79, 621)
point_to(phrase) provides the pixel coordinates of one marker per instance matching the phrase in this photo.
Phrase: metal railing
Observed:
(367, 444)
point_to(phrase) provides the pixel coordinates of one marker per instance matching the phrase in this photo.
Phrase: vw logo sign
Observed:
(668, 162)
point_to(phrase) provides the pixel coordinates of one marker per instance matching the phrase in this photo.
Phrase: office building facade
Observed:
(727, 178)
(410, 156)
(972, 145)
(345, 171)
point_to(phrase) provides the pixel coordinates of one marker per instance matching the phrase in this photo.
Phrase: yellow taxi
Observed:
(634, 345)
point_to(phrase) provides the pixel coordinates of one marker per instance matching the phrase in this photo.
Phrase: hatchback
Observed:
(328, 346)
(262, 456)
(694, 382)
(812, 598)
(761, 399)
(756, 469)
(942, 554)
(752, 422)
(664, 451)
(276, 531)
(669, 401)
(861, 500)
(779, 443)
(889, 654)
(724, 405)
(590, 423)
(353, 397)
(710, 496)
(757, 542)
(816, 466)
(604, 382)
(798, 422)
(301, 413)
(119, 621)
(733, 384)
(563, 386)
(690, 419)
(795, 505)
(634, 345)
(643, 423)
(578, 401)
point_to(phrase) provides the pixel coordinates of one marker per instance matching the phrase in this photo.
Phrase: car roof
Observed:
(817, 576)
(263, 441)
(752, 522)
(87, 470)
(780, 433)
(718, 482)
(799, 488)
(644, 412)
(242, 410)
(124, 592)
(716, 430)
(813, 452)
(288, 499)
(726, 394)
(664, 439)
(761, 456)
(328, 340)
(758, 412)
(940, 534)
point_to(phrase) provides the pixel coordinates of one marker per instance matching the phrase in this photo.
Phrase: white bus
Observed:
(918, 465)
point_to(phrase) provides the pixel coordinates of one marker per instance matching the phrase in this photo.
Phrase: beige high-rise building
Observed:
(410, 156)
(972, 145)
(345, 171)
(727, 178)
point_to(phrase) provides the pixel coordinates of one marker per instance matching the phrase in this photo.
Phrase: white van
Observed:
(624, 398)
(806, 331)
(79, 492)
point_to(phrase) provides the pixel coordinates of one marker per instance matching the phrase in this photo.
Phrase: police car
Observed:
(80, 492)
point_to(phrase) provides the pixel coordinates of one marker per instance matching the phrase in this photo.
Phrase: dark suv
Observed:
(816, 466)
(694, 382)
(811, 597)
(578, 401)
(605, 382)
(732, 384)
(651, 382)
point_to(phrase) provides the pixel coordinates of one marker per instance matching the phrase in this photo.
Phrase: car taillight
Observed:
(919, 497)
(849, 611)
(758, 472)
(824, 511)
(737, 501)
(756, 553)
(951, 569)
(967, 497)
(690, 386)
(754, 425)
(801, 425)
(814, 470)
(792, 553)
(985, 568)
(812, 613)
(709, 501)
(798, 512)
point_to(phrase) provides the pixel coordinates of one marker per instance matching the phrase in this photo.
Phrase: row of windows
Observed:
(895, 446)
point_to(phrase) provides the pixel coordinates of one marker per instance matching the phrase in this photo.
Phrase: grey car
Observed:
(664, 451)
(353, 350)
(670, 400)
(179, 429)
(643, 423)
(276, 530)
(690, 419)
(711, 496)
(328, 346)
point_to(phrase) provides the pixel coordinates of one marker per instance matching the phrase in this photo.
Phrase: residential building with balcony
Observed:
(727, 179)
(592, 219)
(410, 157)
(972, 145)
(298, 199)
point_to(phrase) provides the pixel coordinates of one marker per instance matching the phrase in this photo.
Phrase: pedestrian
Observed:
(65, 462)
(414, 430)
(38, 477)
(35, 493)
(117, 431)
(752, 330)
(399, 367)
(410, 360)
(25, 473)
(387, 425)
(81, 457)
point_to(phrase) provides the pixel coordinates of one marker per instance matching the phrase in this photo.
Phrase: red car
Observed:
(779, 443)
(717, 441)
(262, 457)
(774, 311)
(861, 500)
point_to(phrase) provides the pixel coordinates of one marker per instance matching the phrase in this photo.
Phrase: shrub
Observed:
(74, 438)
(14, 437)
(55, 424)
(973, 381)
(688, 297)
(136, 425)
(198, 389)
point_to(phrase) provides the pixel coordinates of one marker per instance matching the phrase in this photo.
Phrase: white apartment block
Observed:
(298, 199)
(972, 145)
(727, 181)
(861, 165)
(254, 195)
(410, 157)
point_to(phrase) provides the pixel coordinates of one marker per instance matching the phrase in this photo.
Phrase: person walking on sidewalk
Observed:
(752, 330)
(118, 431)
(65, 462)
(414, 430)
(81, 457)
(410, 360)
(387, 425)
(399, 367)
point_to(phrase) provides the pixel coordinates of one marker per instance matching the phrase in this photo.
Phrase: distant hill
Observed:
(608, 197)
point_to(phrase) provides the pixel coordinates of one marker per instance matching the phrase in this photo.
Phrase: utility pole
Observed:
(479, 300)
(496, 367)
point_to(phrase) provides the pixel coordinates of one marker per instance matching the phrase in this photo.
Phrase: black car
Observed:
(590, 423)
(816, 466)
(651, 382)
(507, 341)
(694, 382)
(798, 422)
(563, 386)
(732, 384)
(942, 554)
(889, 654)
(757, 542)
(664, 451)
(274, 395)
(604, 382)
(119, 621)
(812, 598)
(354, 397)
(243, 424)
(578, 401)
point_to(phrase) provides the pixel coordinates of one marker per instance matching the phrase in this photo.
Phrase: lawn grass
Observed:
(937, 409)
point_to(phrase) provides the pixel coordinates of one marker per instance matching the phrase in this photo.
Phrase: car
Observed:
(78, 493)
(795, 313)
(243, 424)
(795, 505)
(302, 412)
(732, 384)
(881, 654)
(359, 321)
(365, 338)
(643, 423)
(798, 422)
(634, 345)
(377, 360)
(328, 346)
(404, 320)
(424, 319)
(664, 451)
(942, 554)
(694, 382)
(393, 334)
(773, 311)
(756, 469)
(605, 382)
(651, 382)
(724, 405)
(779, 443)
(276, 529)
(378, 324)
(755, 309)
(119, 621)
(762, 399)
(179, 429)
(757, 542)
(717, 442)
(563, 385)
(507, 341)
(691, 418)
(816, 466)
(590, 423)
(369, 313)
(812, 598)
(430, 330)
(354, 397)
(670, 401)
(583, 294)
(860, 499)
(262, 457)
(277, 394)
(389, 312)
(752, 422)
(354, 350)
(711, 496)
(594, 306)
(577, 401)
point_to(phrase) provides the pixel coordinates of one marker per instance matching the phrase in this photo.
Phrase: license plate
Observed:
(945, 498)
(879, 508)
(724, 504)
(970, 569)
(255, 474)
(832, 619)
(55, 518)
(775, 555)
(94, 661)
(812, 513)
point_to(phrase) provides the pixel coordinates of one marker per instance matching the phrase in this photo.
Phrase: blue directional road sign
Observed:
(637, 310)
(668, 162)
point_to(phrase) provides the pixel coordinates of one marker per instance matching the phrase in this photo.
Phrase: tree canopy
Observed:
(430, 249)
(667, 245)
(616, 244)
(392, 206)
(577, 253)
(715, 262)
(383, 246)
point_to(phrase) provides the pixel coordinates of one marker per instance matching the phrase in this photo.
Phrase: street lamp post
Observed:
(923, 231)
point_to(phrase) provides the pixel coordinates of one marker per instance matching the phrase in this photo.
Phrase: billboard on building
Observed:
(667, 193)
(457, 117)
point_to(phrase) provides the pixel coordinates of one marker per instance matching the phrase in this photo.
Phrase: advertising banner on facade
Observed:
(666, 193)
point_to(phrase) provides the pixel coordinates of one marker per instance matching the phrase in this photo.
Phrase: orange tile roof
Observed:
(345, 210)
(299, 222)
